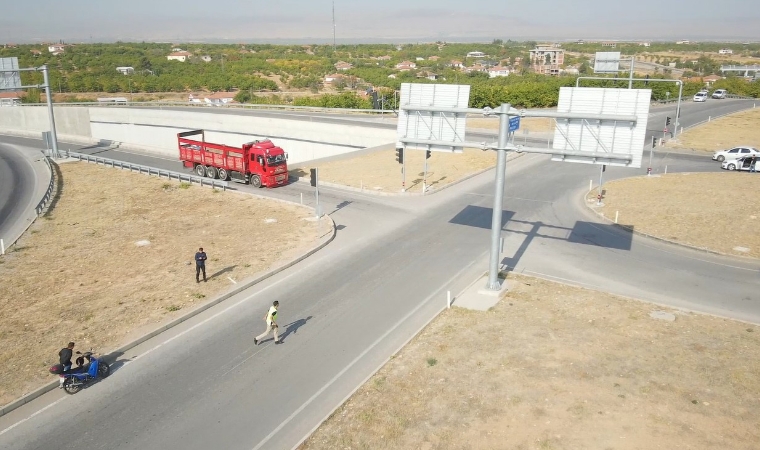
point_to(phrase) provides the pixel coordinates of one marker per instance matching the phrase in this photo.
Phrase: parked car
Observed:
(720, 93)
(742, 163)
(736, 152)
(700, 97)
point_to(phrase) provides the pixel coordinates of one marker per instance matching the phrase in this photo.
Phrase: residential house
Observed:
(547, 60)
(342, 65)
(725, 51)
(179, 56)
(477, 68)
(11, 98)
(56, 48)
(334, 78)
(580, 42)
(609, 44)
(419, 58)
(429, 75)
(498, 71)
(219, 98)
(126, 70)
(434, 58)
(406, 65)
(206, 58)
(644, 44)
(682, 42)
(382, 58)
(456, 64)
(195, 99)
(392, 76)
(475, 54)
(177, 49)
(710, 79)
(36, 52)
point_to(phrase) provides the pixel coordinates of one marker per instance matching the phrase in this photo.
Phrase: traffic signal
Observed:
(400, 155)
(427, 154)
(667, 121)
(313, 181)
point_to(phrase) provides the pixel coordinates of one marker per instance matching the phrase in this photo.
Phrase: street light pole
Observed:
(498, 200)
(49, 97)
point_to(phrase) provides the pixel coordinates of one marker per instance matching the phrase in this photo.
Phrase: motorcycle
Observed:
(77, 377)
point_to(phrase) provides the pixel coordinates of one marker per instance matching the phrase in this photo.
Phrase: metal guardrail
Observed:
(243, 106)
(685, 99)
(49, 193)
(203, 181)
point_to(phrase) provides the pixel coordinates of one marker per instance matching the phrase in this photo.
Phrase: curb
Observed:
(511, 156)
(650, 236)
(123, 349)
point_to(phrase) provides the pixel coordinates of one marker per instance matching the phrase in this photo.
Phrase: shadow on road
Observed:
(222, 272)
(294, 326)
(586, 233)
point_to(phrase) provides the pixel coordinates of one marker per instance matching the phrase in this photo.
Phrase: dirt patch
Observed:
(530, 124)
(723, 133)
(692, 209)
(558, 367)
(82, 273)
(380, 172)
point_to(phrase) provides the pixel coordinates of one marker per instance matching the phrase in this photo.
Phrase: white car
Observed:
(720, 93)
(742, 163)
(734, 153)
(700, 97)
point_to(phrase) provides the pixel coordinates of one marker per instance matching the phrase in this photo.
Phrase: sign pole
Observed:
(630, 78)
(317, 209)
(498, 200)
(424, 173)
(601, 183)
(49, 96)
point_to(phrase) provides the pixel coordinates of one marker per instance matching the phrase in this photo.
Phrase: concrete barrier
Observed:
(155, 131)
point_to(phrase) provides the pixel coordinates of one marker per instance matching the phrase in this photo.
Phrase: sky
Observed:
(397, 21)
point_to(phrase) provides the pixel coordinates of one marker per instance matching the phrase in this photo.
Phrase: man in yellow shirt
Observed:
(271, 319)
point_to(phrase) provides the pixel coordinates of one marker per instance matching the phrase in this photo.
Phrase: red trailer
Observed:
(259, 163)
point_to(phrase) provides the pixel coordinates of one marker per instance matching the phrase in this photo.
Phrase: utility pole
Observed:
(333, 17)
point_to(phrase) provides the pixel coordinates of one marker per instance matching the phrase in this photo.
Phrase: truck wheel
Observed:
(200, 170)
(256, 181)
(210, 172)
(223, 175)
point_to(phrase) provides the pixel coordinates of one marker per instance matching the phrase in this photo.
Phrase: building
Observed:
(11, 98)
(434, 58)
(179, 56)
(56, 48)
(710, 79)
(430, 76)
(456, 64)
(645, 44)
(35, 52)
(725, 51)
(547, 60)
(126, 70)
(419, 58)
(342, 65)
(382, 58)
(406, 65)
(215, 99)
(498, 71)
(475, 54)
(206, 58)
(477, 68)
(609, 44)
(334, 78)
(683, 42)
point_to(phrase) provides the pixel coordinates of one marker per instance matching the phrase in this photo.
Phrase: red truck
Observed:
(260, 163)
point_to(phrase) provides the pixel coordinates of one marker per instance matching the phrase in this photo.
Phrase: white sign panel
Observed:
(607, 62)
(9, 80)
(589, 140)
(441, 127)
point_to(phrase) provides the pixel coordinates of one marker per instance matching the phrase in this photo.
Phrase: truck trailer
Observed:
(258, 163)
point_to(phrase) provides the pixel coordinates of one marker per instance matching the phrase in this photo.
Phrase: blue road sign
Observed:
(514, 123)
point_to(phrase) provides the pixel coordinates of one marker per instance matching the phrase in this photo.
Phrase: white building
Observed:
(56, 48)
(725, 51)
(126, 70)
(206, 58)
(475, 54)
(498, 71)
(179, 56)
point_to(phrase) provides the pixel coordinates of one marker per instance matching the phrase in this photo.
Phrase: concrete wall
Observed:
(155, 131)
(72, 124)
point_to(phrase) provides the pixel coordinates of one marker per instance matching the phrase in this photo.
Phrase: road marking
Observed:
(358, 358)
(30, 417)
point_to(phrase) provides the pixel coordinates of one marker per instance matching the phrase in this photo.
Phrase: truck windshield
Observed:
(275, 160)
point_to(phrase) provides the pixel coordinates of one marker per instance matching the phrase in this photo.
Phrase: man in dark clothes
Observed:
(64, 357)
(200, 265)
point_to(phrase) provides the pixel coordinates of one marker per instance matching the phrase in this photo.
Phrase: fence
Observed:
(49, 193)
(214, 183)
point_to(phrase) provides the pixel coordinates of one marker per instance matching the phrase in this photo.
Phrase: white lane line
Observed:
(357, 359)
(33, 415)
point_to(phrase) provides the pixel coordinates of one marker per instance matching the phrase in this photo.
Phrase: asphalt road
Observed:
(18, 181)
(349, 307)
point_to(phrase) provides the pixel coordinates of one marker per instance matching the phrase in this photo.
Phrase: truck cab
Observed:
(268, 161)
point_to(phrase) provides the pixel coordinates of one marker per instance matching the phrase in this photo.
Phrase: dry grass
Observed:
(558, 367)
(531, 124)
(380, 172)
(730, 131)
(689, 208)
(79, 275)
